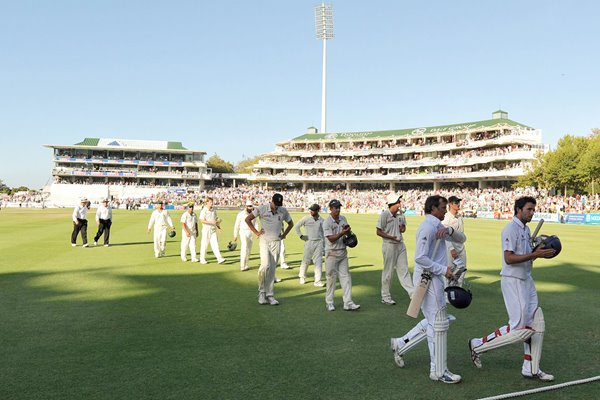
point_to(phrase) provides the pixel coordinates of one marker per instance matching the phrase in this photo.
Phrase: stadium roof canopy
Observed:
(127, 145)
(424, 131)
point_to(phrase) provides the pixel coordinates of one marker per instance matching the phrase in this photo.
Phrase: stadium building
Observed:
(488, 153)
(121, 168)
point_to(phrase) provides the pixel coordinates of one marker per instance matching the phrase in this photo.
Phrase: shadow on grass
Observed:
(203, 335)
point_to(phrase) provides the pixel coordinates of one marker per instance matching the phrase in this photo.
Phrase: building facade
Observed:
(488, 153)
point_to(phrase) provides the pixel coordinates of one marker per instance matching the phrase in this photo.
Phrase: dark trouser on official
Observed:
(103, 227)
(81, 226)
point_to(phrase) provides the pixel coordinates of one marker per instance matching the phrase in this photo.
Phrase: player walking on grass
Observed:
(525, 319)
(241, 229)
(313, 244)
(189, 233)
(160, 219)
(335, 228)
(390, 227)
(80, 222)
(104, 222)
(457, 255)
(210, 225)
(430, 255)
(271, 216)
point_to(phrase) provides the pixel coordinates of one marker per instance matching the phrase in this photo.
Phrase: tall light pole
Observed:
(324, 24)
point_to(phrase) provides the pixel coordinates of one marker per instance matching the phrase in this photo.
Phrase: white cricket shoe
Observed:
(272, 301)
(319, 284)
(95, 243)
(474, 356)
(262, 299)
(277, 280)
(244, 269)
(86, 245)
(396, 346)
(388, 302)
(329, 307)
(351, 307)
(285, 266)
(106, 245)
(302, 280)
(448, 377)
(221, 261)
(541, 375)
(73, 245)
(203, 262)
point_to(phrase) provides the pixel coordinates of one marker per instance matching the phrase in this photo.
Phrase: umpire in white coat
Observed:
(241, 230)
(313, 244)
(390, 227)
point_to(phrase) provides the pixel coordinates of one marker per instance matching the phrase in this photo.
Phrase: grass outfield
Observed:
(116, 323)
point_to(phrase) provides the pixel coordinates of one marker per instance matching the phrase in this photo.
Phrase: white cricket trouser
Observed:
(188, 242)
(246, 240)
(160, 238)
(209, 236)
(336, 264)
(313, 251)
(434, 301)
(394, 258)
(269, 255)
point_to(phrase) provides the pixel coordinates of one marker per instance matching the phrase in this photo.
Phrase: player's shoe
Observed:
(329, 307)
(95, 243)
(319, 284)
(221, 261)
(244, 269)
(272, 301)
(86, 245)
(285, 266)
(302, 280)
(388, 302)
(351, 307)
(262, 299)
(395, 345)
(277, 280)
(541, 375)
(474, 356)
(106, 245)
(73, 245)
(448, 377)
(203, 262)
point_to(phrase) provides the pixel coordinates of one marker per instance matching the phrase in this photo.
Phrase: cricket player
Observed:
(390, 227)
(430, 255)
(313, 244)
(525, 319)
(189, 232)
(160, 219)
(211, 223)
(242, 230)
(272, 216)
(80, 222)
(104, 222)
(335, 227)
(456, 252)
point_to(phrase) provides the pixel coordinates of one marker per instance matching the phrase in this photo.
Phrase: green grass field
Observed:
(116, 323)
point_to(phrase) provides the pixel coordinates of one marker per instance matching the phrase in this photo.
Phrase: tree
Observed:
(245, 166)
(590, 160)
(3, 187)
(218, 165)
(563, 167)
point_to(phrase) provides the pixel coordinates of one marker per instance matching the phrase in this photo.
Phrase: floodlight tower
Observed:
(324, 24)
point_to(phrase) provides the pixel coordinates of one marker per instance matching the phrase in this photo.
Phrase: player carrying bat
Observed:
(430, 256)
(525, 319)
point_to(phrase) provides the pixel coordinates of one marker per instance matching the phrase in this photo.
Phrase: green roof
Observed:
(175, 146)
(477, 125)
(88, 142)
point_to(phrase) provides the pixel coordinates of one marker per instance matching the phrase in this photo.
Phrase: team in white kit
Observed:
(440, 250)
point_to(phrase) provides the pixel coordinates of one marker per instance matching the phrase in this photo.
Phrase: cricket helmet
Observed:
(459, 297)
(172, 234)
(549, 242)
(231, 246)
(350, 240)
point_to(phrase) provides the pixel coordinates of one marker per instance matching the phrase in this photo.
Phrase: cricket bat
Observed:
(419, 294)
(534, 242)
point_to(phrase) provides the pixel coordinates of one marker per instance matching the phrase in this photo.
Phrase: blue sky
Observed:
(236, 77)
